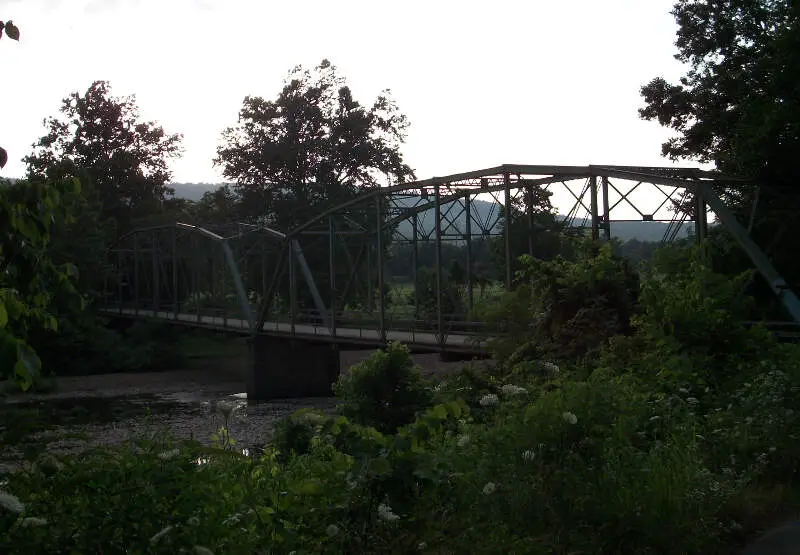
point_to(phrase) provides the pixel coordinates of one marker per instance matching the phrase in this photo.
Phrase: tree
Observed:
(456, 273)
(220, 206)
(313, 146)
(738, 106)
(125, 158)
(29, 281)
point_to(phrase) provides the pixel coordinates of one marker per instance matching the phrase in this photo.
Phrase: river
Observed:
(86, 411)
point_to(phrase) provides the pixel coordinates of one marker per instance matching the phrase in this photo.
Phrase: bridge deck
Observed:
(455, 342)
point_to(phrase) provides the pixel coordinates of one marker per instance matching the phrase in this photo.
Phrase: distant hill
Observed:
(482, 210)
(194, 191)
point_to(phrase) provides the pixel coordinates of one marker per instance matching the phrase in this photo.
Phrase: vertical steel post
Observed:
(175, 273)
(136, 274)
(213, 285)
(700, 219)
(529, 212)
(438, 228)
(507, 227)
(332, 265)
(370, 300)
(156, 281)
(263, 269)
(606, 209)
(379, 248)
(195, 278)
(468, 233)
(292, 290)
(224, 290)
(594, 207)
(119, 280)
(415, 262)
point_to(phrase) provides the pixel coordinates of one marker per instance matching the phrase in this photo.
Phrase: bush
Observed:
(84, 345)
(565, 308)
(385, 391)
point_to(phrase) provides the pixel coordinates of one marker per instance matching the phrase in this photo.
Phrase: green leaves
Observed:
(11, 30)
(28, 366)
(29, 281)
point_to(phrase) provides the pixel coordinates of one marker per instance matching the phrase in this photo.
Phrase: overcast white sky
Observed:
(483, 83)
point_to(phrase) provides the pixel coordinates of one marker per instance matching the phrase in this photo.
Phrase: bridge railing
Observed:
(458, 329)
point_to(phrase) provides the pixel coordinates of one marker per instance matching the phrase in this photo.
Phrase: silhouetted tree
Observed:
(738, 105)
(125, 159)
(313, 146)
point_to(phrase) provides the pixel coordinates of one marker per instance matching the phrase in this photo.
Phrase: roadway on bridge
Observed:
(368, 336)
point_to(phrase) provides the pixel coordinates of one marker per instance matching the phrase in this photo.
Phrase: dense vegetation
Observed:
(666, 440)
(628, 410)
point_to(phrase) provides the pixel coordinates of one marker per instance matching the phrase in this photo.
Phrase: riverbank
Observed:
(82, 412)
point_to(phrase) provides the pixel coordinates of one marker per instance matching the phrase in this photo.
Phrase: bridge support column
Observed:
(285, 368)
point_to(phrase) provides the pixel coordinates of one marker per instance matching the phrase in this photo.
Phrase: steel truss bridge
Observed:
(327, 279)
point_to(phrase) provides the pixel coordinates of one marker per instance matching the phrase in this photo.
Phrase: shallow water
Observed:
(73, 420)
(87, 411)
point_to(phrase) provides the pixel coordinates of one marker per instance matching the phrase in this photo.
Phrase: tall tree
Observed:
(312, 146)
(738, 106)
(125, 158)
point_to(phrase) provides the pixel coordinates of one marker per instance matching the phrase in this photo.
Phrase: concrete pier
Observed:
(285, 368)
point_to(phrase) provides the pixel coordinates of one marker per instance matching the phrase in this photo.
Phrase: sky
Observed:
(482, 83)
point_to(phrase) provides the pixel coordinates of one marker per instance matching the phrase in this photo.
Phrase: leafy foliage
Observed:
(125, 158)
(738, 106)
(385, 391)
(29, 281)
(563, 308)
(430, 297)
(312, 146)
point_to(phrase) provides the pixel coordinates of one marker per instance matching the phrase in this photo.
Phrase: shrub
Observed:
(565, 308)
(385, 391)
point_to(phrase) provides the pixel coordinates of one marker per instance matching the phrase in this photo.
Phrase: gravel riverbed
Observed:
(88, 411)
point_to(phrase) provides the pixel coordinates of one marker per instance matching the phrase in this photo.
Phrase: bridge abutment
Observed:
(284, 368)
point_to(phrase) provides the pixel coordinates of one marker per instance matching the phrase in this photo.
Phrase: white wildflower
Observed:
(550, 367)
(463, 440)
(11, 502)
(200, 550)
(160, 534)
(512, 390)
(489, 399)
(332, 530)
(385, 512)
(422, 546)
(569, 417)
(489, 488)
(32, 521)
(172, 453)
(528, 455)
(233, 519)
